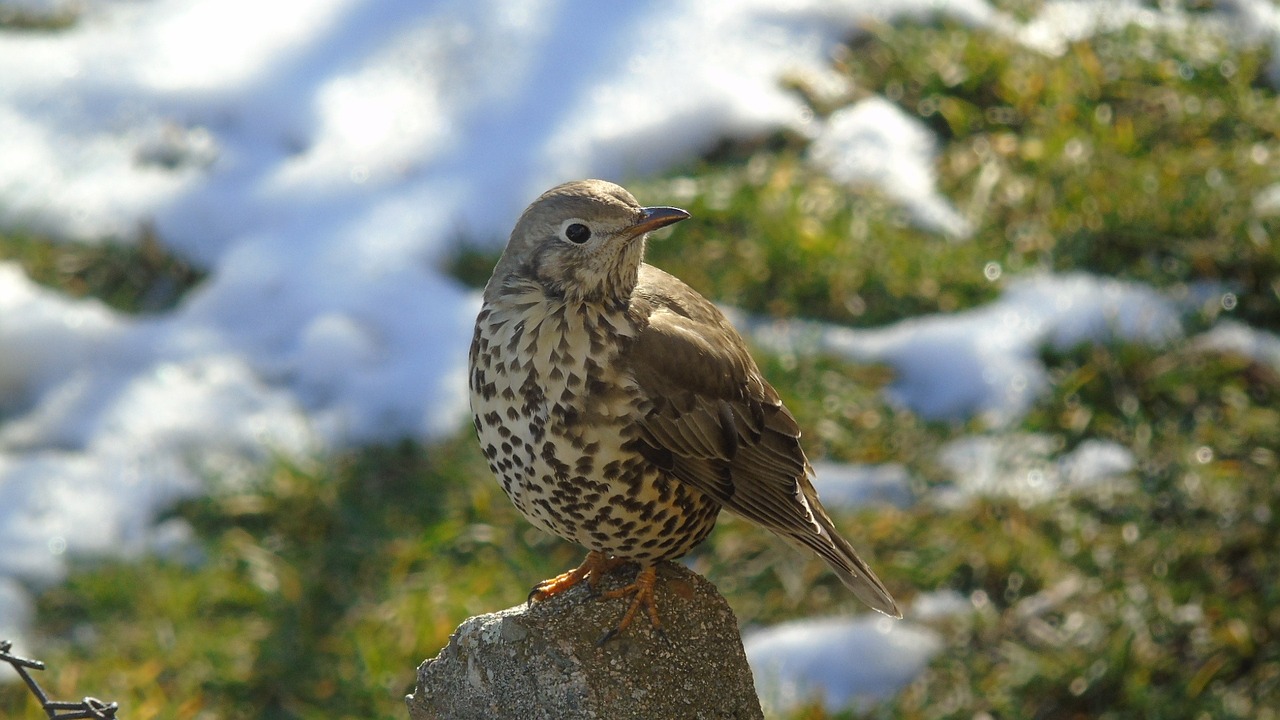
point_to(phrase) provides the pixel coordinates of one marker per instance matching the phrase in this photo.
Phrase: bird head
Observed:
(582, 241)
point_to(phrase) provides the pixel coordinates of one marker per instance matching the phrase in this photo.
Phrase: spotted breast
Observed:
(554, 409)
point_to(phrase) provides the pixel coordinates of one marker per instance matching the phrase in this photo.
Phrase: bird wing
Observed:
(718, 426)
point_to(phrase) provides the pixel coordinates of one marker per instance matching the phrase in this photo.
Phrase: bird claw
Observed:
(662, 633)
(642, 590)
(614, 632)
(592, 568)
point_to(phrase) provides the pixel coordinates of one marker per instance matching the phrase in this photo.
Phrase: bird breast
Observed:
(548, 394)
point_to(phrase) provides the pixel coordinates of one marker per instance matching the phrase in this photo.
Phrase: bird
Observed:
(620, 410)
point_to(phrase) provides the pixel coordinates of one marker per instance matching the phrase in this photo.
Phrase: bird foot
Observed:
(592, 569)
(642, 592)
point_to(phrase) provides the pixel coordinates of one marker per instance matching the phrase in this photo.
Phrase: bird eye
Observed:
(577, 233)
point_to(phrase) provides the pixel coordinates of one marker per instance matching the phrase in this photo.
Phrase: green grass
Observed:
(19, 19)
(1135, 155)
(135, 277)
(316, 593)
(1099, 160)
(1174, 605)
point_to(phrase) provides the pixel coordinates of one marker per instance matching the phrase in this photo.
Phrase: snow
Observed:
(838, 661)
(318, 158)
(842, 486)
(1230, 336)
(1029, 468)
(873, 142)
(847, 661)
(18, 611)
(985, 361)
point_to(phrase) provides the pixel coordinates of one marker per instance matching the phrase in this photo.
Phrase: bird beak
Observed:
(657, 217)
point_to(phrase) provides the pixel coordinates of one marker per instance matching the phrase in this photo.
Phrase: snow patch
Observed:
(825, 660)
(985, 361)
(874, 143)
(842, 486)
(1028, 468)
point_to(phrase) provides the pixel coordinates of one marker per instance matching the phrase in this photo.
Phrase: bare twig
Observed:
(89, 707)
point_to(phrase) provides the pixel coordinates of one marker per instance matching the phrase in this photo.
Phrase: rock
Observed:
(544, 662)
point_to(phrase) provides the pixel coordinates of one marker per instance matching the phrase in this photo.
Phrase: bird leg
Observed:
(592, 569)
(642, 590)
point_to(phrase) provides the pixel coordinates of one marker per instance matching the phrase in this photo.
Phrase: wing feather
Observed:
(726, 431)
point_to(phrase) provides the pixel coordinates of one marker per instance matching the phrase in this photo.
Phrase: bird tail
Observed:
(852, 570)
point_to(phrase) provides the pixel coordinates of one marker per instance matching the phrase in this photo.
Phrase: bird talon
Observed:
(592, 568)
(642, 590)
(662, 633)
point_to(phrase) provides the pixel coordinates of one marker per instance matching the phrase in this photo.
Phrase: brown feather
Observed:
(706, 388)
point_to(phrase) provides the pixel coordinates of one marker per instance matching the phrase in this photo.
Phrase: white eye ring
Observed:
(575, 231)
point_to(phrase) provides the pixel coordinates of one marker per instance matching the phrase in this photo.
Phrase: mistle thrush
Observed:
(621, 411)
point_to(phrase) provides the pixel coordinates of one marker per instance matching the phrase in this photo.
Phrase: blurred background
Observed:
(1014, 265)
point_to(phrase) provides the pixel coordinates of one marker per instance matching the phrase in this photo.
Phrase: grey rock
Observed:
(543, 661)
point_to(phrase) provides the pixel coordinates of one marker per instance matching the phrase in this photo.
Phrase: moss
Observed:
(136, 277)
